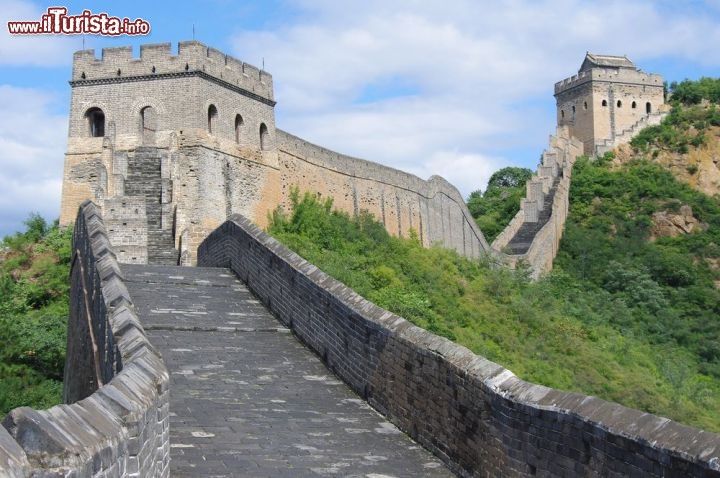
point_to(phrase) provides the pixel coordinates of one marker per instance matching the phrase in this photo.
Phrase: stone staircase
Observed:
(627, 134)
(144, 179)
(523, 238)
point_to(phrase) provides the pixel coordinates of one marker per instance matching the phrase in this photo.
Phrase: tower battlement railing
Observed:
(158, 60)
(625, 75)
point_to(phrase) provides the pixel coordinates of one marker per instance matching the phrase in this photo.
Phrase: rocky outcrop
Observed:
(671, 224)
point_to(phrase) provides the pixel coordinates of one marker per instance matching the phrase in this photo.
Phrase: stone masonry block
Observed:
(13, 460)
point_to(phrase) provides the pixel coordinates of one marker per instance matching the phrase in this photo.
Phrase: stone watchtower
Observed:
(607, 101)
(159, 140)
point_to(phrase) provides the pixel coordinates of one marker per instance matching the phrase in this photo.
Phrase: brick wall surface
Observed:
(476, 415)
(434, 209)
(116, 421)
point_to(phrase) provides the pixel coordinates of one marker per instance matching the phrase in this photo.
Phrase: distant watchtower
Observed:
(607, 100)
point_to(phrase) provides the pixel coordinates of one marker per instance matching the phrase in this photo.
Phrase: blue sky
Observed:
(458, 88)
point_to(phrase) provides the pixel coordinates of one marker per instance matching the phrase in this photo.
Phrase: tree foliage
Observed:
(34, 269)
(693, 92)
(495, 209)
(694, 110)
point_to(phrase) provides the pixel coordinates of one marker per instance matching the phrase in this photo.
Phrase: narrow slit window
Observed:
(264, 137)
(238, 128)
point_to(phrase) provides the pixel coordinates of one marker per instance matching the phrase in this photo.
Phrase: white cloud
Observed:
(35, 50)
(466, 171)
(32, 141)
(422, 84)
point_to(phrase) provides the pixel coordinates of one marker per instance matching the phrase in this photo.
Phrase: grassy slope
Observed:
(563, 331)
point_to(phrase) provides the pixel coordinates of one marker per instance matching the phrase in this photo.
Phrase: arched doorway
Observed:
(148, 125)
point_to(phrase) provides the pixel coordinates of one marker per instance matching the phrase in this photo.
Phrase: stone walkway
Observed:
(248, 399)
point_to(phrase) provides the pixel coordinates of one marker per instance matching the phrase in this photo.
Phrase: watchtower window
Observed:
(264, 137)
(212, 118)
(619, 104)
(573, 110)
(585, 105)
(562, 114)
(634, 105)
(238, 128)
(604, 103)
(96, 122)
(648, 108)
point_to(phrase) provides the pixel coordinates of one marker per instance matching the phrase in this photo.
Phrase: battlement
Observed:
(119, 64)
(613, 75)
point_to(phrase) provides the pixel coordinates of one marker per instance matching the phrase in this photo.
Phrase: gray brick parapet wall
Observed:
(477, 416)
(116, 423)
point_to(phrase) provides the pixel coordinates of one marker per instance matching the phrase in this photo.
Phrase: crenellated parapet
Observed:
(533, 236)
(627, 76)
(157, 60)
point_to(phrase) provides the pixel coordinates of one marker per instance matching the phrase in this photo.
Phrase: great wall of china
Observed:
(166, 171)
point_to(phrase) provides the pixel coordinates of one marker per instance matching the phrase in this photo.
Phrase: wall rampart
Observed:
(434, 209)
(476, 415)
(556, 166)
(116, 422)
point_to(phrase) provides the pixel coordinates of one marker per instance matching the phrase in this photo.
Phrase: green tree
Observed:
(494, 209)
(34, 270)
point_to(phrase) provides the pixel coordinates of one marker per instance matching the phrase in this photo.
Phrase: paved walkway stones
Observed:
(248, 399)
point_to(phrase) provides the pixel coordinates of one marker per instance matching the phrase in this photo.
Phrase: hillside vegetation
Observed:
(34, 268)
(616, 334)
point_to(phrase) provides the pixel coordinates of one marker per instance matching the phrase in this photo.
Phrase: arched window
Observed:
(633, 105)
(212, 118)
(238, 128)
(604, 103)
(264, 137)
(619, 104)
(148, 124)
(648, 108)
(573, 110)
(562, 114)
(96, 122)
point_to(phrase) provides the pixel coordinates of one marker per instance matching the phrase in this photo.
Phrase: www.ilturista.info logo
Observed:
(57, 21)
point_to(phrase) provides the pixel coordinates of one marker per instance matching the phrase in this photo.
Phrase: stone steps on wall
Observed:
(523, 238)
(145, 179)
(161, 249)
(629, 133)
